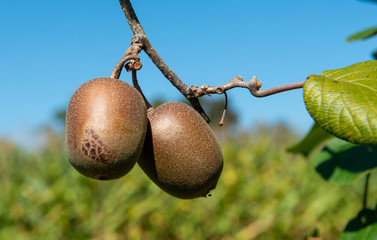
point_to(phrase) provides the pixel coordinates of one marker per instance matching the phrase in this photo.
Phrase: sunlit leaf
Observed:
(344, 162)
(313, 139)
(362, 227)
(367, 33)
(344, 101)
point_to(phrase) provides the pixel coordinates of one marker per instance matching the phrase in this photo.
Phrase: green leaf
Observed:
(313, 139)
(344, 102)
(344, 162)
(367, 33)
(362, 227)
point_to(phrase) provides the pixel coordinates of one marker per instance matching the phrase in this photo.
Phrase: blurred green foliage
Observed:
(263, 193)
(365, 34)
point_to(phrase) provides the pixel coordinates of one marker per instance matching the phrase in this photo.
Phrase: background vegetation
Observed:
(263, 193)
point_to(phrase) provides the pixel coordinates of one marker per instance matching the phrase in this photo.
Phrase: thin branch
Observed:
(278, 89)
(160, 64)
(173, 78)
(253, 85)
(149, 49)
(137, 86)
(141, 42)
(141, 37)
(221, 123)
(132, 19)
(131, 54)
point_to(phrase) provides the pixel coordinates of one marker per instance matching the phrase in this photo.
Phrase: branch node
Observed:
(137, 65)
(133, 65)
(219, 90)
(236, 79)
(259, 84)
(204, 87)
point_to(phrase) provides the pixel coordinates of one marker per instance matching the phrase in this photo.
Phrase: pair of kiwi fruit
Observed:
(109, 129)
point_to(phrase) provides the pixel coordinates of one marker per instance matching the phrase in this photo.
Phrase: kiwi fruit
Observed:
(106, 123)
(180, 153)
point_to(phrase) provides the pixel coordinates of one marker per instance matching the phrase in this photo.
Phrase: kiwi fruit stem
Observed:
(137, 86)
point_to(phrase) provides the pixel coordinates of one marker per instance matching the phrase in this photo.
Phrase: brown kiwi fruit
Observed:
(181, 154)
(106, 123)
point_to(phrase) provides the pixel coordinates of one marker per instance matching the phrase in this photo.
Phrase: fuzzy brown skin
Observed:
(106, 123)
(181, 154)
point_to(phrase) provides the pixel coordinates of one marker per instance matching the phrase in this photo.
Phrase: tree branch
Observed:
(278, 89)
(141, 37)
(131, 17)
(168, 73)
(253, 85)
(140, 42)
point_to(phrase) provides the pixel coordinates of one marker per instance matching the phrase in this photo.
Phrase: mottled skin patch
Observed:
(93, 147)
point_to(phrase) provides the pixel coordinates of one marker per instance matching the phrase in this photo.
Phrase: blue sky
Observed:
(49, 48)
